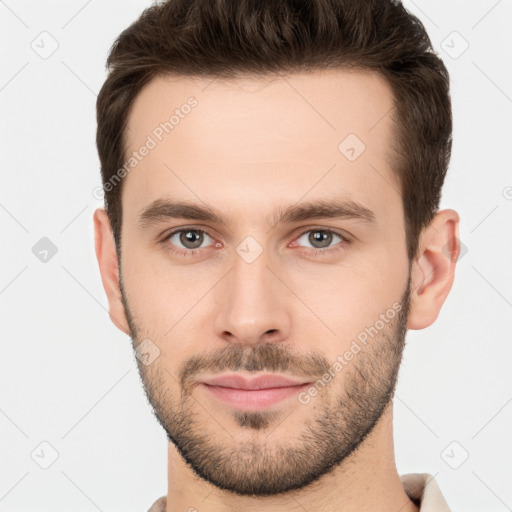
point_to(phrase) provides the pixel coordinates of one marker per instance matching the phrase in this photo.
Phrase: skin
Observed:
(250, 147)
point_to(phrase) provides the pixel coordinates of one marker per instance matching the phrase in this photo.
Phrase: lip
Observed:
(255, 394)
(260, 382)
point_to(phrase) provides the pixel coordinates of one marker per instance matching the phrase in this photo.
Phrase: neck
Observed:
(365, 481)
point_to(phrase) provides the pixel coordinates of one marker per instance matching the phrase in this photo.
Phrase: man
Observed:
(272, 173)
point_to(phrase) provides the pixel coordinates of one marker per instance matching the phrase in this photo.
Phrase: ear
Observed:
(433, 269)
(109, 268)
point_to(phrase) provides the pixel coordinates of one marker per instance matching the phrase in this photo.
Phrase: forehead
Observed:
(277, 137)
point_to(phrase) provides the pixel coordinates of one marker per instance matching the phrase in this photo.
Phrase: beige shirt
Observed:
(421, 488)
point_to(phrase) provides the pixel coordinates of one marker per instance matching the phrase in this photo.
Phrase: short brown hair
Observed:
(233, 38)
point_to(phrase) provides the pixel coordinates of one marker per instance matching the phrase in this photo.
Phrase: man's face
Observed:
(253, 295)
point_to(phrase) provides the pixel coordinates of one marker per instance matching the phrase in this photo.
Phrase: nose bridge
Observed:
(251, 302)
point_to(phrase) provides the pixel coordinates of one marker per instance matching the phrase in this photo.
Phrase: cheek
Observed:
(173, 305)
(342, 300)
(336, 300)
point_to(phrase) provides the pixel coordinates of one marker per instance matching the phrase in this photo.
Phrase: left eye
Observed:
(320, 238)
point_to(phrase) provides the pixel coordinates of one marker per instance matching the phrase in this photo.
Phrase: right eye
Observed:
(190, 240)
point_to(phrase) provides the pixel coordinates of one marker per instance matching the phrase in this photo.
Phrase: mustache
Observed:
(267, 357)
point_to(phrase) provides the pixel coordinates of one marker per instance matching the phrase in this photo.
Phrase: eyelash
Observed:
(309, 250)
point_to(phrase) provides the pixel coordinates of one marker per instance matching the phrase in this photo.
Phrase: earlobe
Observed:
(433, 271)
(109, 268)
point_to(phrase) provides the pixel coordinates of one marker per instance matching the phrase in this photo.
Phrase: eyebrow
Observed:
(161, 210)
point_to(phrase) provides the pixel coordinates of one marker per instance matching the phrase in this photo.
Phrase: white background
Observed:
(68, 376)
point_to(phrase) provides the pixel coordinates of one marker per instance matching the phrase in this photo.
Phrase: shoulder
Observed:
(423, 490)
(159, 505)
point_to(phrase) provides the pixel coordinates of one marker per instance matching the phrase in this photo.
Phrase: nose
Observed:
(254, 305)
